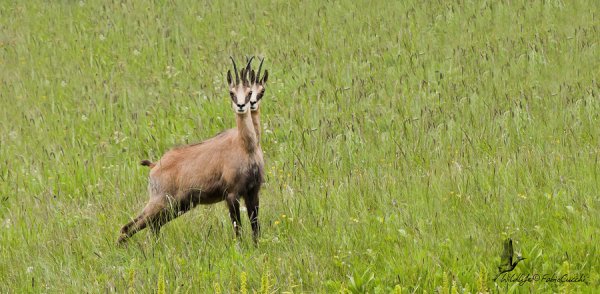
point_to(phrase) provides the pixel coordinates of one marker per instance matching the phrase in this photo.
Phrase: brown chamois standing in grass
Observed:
(226, 167)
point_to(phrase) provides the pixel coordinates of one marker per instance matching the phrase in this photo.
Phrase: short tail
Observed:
(147, 163)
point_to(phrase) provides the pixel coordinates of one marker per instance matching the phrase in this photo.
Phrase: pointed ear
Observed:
(229, 77)
(252, 76)
(265, 77)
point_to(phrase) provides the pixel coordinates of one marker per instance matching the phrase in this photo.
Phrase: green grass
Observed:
(404, 141)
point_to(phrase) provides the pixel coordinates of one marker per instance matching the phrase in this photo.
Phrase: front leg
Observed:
(252, 204)
(233, 204)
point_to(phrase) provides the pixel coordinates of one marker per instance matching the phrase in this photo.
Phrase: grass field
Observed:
(404, 142)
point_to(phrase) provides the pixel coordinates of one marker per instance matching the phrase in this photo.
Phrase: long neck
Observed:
(246, 132)
(256, 122)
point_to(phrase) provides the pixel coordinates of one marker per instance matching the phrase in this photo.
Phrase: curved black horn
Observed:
(237, 75)
(249, 61)
(247, 70)
(259, 67)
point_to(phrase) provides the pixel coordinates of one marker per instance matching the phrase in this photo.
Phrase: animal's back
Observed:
(193, 167)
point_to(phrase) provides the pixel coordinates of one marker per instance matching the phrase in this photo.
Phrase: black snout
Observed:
(252, 103)
(240, 106)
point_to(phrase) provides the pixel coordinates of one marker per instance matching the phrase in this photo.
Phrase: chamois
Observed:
(226, 167)
(258, 90)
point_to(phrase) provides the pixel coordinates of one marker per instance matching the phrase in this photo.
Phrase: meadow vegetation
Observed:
(404, 142)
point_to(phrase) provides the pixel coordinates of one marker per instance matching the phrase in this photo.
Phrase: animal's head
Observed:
(240, 89)
(257, 85)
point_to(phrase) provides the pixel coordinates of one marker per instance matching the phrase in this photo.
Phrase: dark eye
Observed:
(260, 95)
(231, 94)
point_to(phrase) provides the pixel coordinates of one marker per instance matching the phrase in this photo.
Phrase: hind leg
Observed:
(164, 216)
(128, 226)
(149, 216)
(173, 209)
